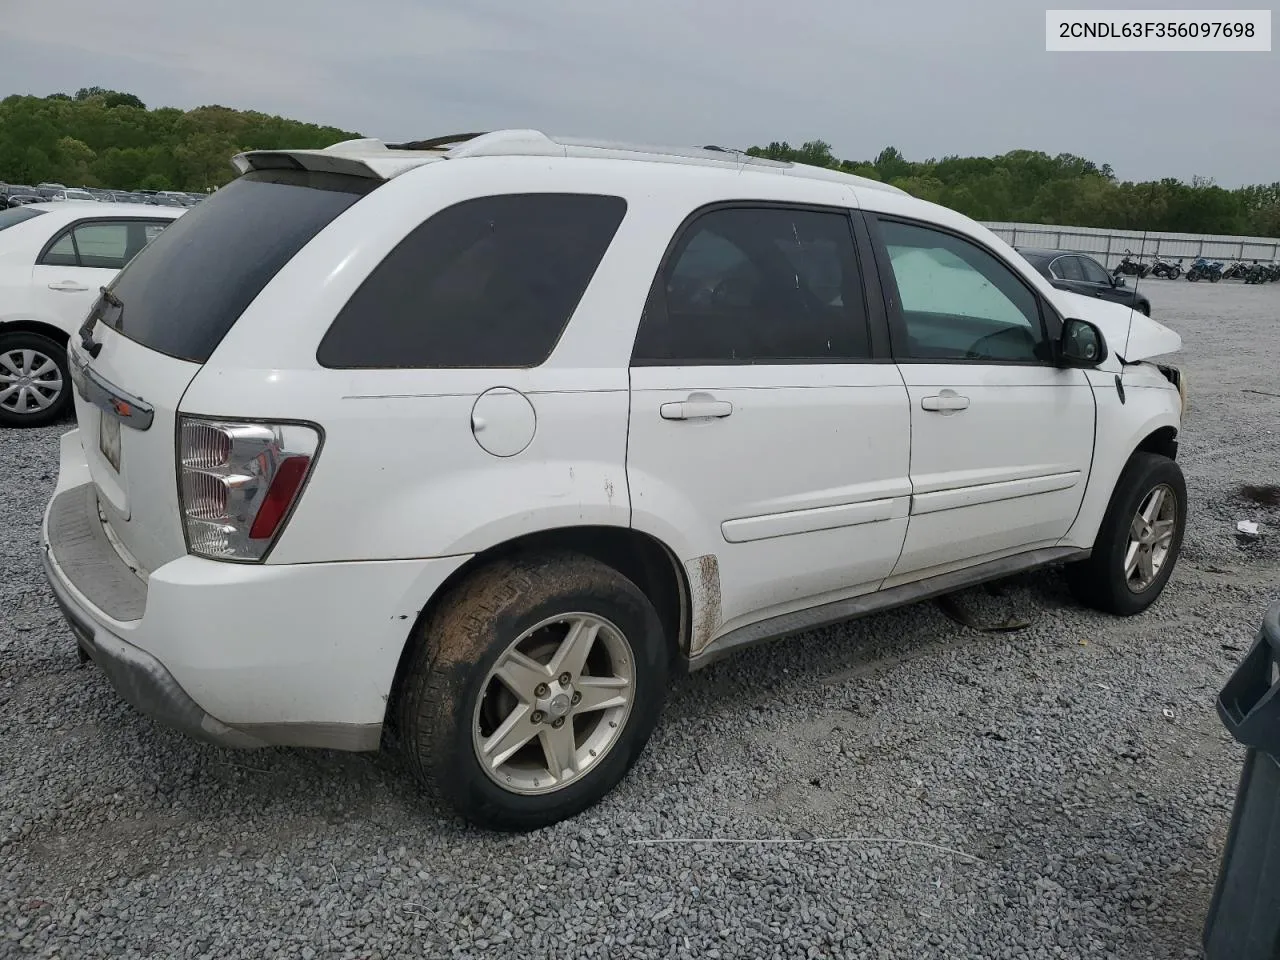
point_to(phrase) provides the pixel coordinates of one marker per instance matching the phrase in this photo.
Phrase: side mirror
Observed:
(1082, 344)
(1121, 282)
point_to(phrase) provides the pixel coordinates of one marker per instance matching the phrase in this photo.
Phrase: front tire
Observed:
(35, 382)
(1139, 541)
(533, 688)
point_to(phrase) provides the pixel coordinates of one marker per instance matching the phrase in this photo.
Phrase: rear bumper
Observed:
(240, 655)
(138, 677)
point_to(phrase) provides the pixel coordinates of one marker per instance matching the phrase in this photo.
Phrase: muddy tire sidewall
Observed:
(467, 636)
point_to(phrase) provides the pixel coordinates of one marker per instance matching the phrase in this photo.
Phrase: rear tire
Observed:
(492, 635)
(1134, 554)
(35, 381)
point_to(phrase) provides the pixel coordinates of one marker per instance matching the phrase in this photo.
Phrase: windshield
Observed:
(187, 288)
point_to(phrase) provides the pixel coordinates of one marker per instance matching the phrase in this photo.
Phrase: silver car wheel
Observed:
(1150, 537)
(30, 381)
(555, 704)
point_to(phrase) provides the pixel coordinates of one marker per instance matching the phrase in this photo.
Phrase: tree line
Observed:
(1027, 186)
(98, 137)
(105, 138)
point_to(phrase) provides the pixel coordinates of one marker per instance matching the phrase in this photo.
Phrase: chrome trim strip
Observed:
(96, 389)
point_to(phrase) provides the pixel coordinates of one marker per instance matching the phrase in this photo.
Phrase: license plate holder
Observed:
(109, 439)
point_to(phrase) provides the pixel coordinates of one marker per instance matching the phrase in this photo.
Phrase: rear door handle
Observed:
(697, 407)
(67, 286)
(945, 403)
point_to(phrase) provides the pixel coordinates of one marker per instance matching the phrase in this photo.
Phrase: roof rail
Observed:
(525, 143)
(535, 143)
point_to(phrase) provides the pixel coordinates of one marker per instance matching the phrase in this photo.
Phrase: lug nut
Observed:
(576, 698)
(537, 716)
(540, 690)
(558, 722)
(564, 679)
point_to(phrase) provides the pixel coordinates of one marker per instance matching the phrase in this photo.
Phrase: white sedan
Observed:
(54, 260)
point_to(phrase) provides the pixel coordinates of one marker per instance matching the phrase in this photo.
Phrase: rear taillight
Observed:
(238, 481)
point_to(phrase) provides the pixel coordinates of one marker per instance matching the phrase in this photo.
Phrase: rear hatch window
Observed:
(183, 293)
(16, 215)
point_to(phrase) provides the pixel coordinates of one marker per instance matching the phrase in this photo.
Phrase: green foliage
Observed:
(106, 138)
(100, 137)
(1028, 186)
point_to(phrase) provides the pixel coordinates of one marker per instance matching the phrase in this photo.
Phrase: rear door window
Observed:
(191, 285)
(1067, 268)
(102, 244)
(486, 283)
(747, 285)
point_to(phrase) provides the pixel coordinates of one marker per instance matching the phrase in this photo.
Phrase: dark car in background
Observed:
(1080, 273)
(11, 190)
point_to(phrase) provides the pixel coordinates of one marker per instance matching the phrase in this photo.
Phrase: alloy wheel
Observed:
(1150, 537)
(555, 703)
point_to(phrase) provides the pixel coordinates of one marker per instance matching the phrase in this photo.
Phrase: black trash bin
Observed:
(1244, 917)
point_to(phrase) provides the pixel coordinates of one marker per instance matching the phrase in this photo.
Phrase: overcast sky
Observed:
(932, 77)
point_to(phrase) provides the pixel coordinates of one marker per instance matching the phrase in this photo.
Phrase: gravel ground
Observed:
(1062, 791)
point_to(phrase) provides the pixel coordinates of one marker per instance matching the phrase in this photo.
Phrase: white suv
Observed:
(472, 441)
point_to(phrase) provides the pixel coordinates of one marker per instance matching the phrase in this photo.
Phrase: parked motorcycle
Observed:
(1257, 273)
(1131, 266)
(1167, 267)
(1268, 272)
(1202, 269)
(1235, 271)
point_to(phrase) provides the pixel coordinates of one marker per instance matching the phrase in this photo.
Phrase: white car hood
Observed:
(1130, 335)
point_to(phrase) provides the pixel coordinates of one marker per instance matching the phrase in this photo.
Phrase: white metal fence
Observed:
(1109, 246)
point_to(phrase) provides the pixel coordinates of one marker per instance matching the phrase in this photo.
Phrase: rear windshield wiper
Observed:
(90, 345)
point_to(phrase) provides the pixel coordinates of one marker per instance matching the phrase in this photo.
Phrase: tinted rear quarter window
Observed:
(186, 289)
(487, 283)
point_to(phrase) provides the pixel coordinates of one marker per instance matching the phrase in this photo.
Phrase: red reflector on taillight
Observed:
(284, 488)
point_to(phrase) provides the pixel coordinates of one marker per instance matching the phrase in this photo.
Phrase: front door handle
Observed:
(67, 286)
(699, 406)
(947, 402)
